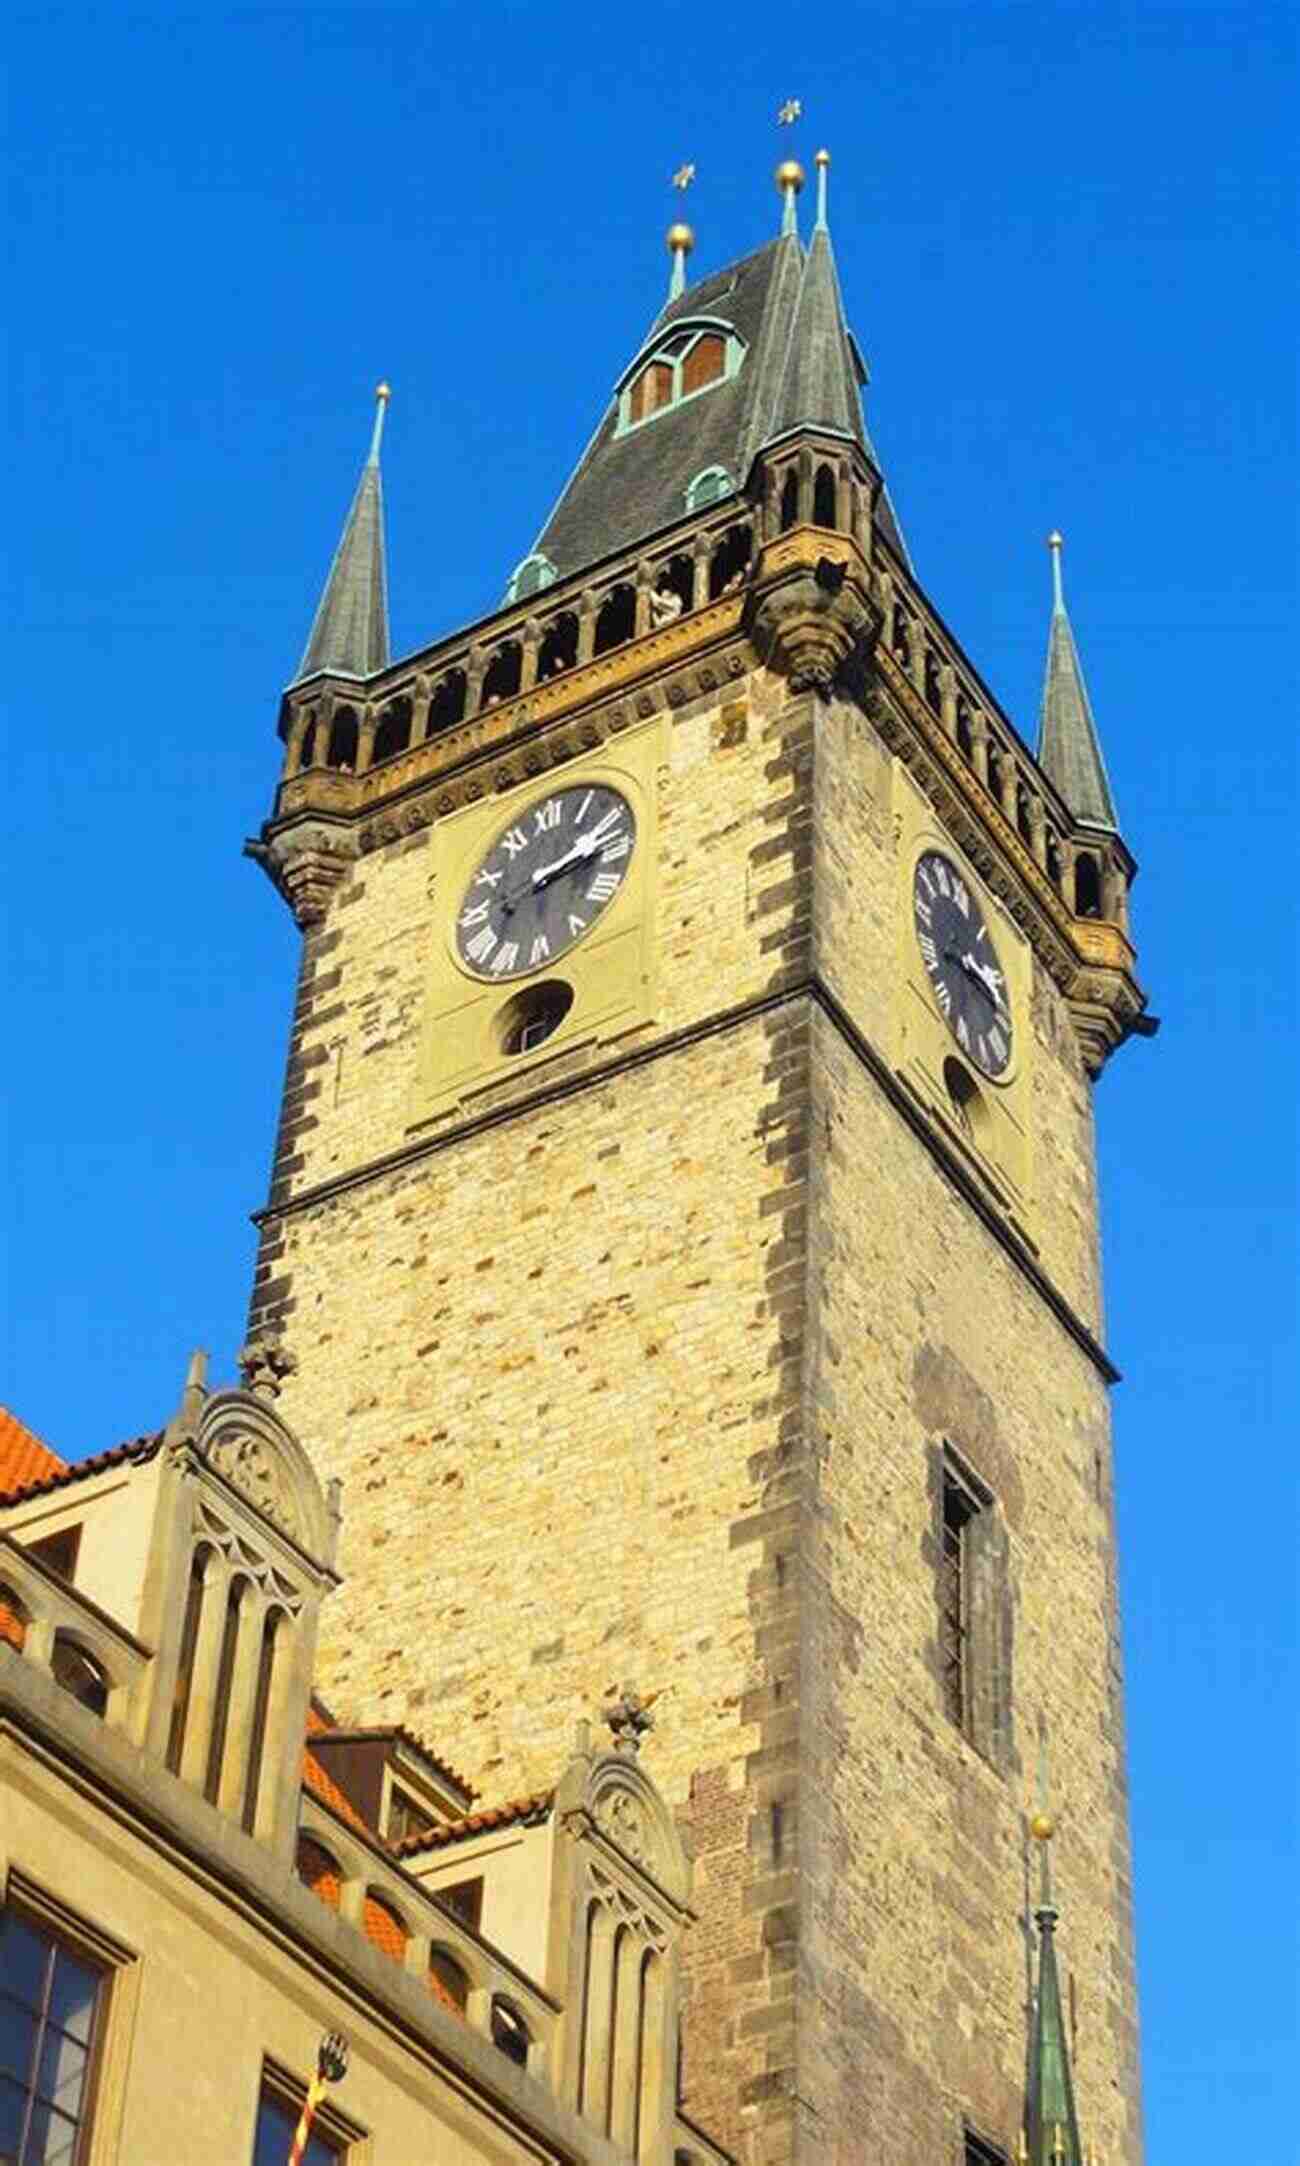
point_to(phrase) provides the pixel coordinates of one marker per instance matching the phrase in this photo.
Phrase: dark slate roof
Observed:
(780, 304)
(1069, 749)
(630, 485)
(350, 632)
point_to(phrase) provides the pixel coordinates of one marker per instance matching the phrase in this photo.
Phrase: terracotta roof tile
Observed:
(60, 1475)
(535, 1807)
(23, 1457)
(315, 1779)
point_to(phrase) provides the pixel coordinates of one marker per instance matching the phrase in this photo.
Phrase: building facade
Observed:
(682, 1253)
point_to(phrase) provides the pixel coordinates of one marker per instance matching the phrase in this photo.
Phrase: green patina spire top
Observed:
(1069, 748)
(349, 633)
(1051, 2124)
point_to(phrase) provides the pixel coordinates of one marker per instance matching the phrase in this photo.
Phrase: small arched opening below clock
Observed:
(532, 1015)
(966, 1099)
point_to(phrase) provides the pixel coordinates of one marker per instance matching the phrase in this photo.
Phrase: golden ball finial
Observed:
(1042, 1827)
(680, 236)
(383, 391)
(823, 158)
(789, 174)
(1056, 540)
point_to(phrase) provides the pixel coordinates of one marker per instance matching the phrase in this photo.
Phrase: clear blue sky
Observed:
(1065, 239)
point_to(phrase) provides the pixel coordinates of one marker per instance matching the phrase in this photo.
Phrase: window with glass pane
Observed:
(49, 1999)
(276, 2122)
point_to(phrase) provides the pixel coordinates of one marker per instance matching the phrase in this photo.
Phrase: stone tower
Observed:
(684, 1217)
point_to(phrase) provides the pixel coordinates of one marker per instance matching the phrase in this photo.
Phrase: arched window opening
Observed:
(995, 771)
(504, 674)
(447, 704)
(185, 1660)
(307, 749)
(617, 619)
(965, 740)
(1023, 823)
(448, 1980)
(932, 691)
(730, 562)
(318, 1871)
(343, 741)
(530, 577)
(789, 500)
(900, 638)
(676, 579)
(79, 1674)
(14, 1619)
(510, 2032)
(394, 732)
(1087, 886)
(824, 497)
(239, 1588)
(1054, 869)
(652, 390)
(707, 487)
(383, 1927)
(965, 1098)
(275, 1623)
(559, 647)
(530, 1017)
(704, 363)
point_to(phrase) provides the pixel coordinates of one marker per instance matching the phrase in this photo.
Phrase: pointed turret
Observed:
(820, 379)
(1069, 749)
(1051, 2125)
(350, 633)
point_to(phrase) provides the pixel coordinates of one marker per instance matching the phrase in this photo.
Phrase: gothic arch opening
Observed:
(617, 619)
(789, 499)
(504, 674)
(394, 732)
(730, 561)
(824, 497)
(1087, 886)
(446, 703)
(343, 740)
(559, 647)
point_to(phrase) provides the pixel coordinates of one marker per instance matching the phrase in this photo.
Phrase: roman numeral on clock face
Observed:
(546, 881)
(961, 962)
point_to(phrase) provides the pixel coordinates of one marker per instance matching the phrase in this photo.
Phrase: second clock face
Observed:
(545, 881)
(962, 963)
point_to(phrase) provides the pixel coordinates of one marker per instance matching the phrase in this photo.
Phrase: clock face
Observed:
(969, 984)
(545, 881)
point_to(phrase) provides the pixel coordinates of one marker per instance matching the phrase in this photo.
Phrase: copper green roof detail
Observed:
(1069, 749)
(350, 631)
(1052, 2128)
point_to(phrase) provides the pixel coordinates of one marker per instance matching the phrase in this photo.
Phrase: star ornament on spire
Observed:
(789, 113)
(683, 177)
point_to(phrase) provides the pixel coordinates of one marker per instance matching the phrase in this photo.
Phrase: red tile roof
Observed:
(59, 1475)
(23, 1457)
(535, 1807)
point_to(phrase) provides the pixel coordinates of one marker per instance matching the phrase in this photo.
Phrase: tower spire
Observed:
(1069, 749)
(1051, 2124)
(349, 633)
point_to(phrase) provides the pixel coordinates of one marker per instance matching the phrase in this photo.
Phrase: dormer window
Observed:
(707, 487)
(530, 577)
(692, 360)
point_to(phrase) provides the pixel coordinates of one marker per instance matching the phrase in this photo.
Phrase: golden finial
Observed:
(790, 174)
(681, 236)
(1042, 1827)
(684, 175)
(823, 158)
(1056, 540)
(383, 391)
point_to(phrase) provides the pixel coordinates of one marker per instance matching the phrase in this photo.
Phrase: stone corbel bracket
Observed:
(305, 859)
(811, 611)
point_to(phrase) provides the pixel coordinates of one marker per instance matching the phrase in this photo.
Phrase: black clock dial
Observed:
(962, 963)
(545, 881)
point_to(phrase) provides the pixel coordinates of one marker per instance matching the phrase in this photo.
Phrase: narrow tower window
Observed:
(974, 1620)
(824, 497)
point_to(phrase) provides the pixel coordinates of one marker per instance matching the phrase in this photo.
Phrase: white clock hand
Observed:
(585, 846)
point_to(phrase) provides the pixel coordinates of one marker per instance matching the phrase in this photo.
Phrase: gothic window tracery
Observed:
(691, 361)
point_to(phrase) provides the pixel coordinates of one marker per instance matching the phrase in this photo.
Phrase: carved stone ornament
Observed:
(622, 1817)
(812, 623)
(249, 1464)
(263, 1365)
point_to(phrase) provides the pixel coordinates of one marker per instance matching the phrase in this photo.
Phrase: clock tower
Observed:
(684, 1217)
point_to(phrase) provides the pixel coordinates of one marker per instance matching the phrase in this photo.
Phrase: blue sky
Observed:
(1065, 237)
